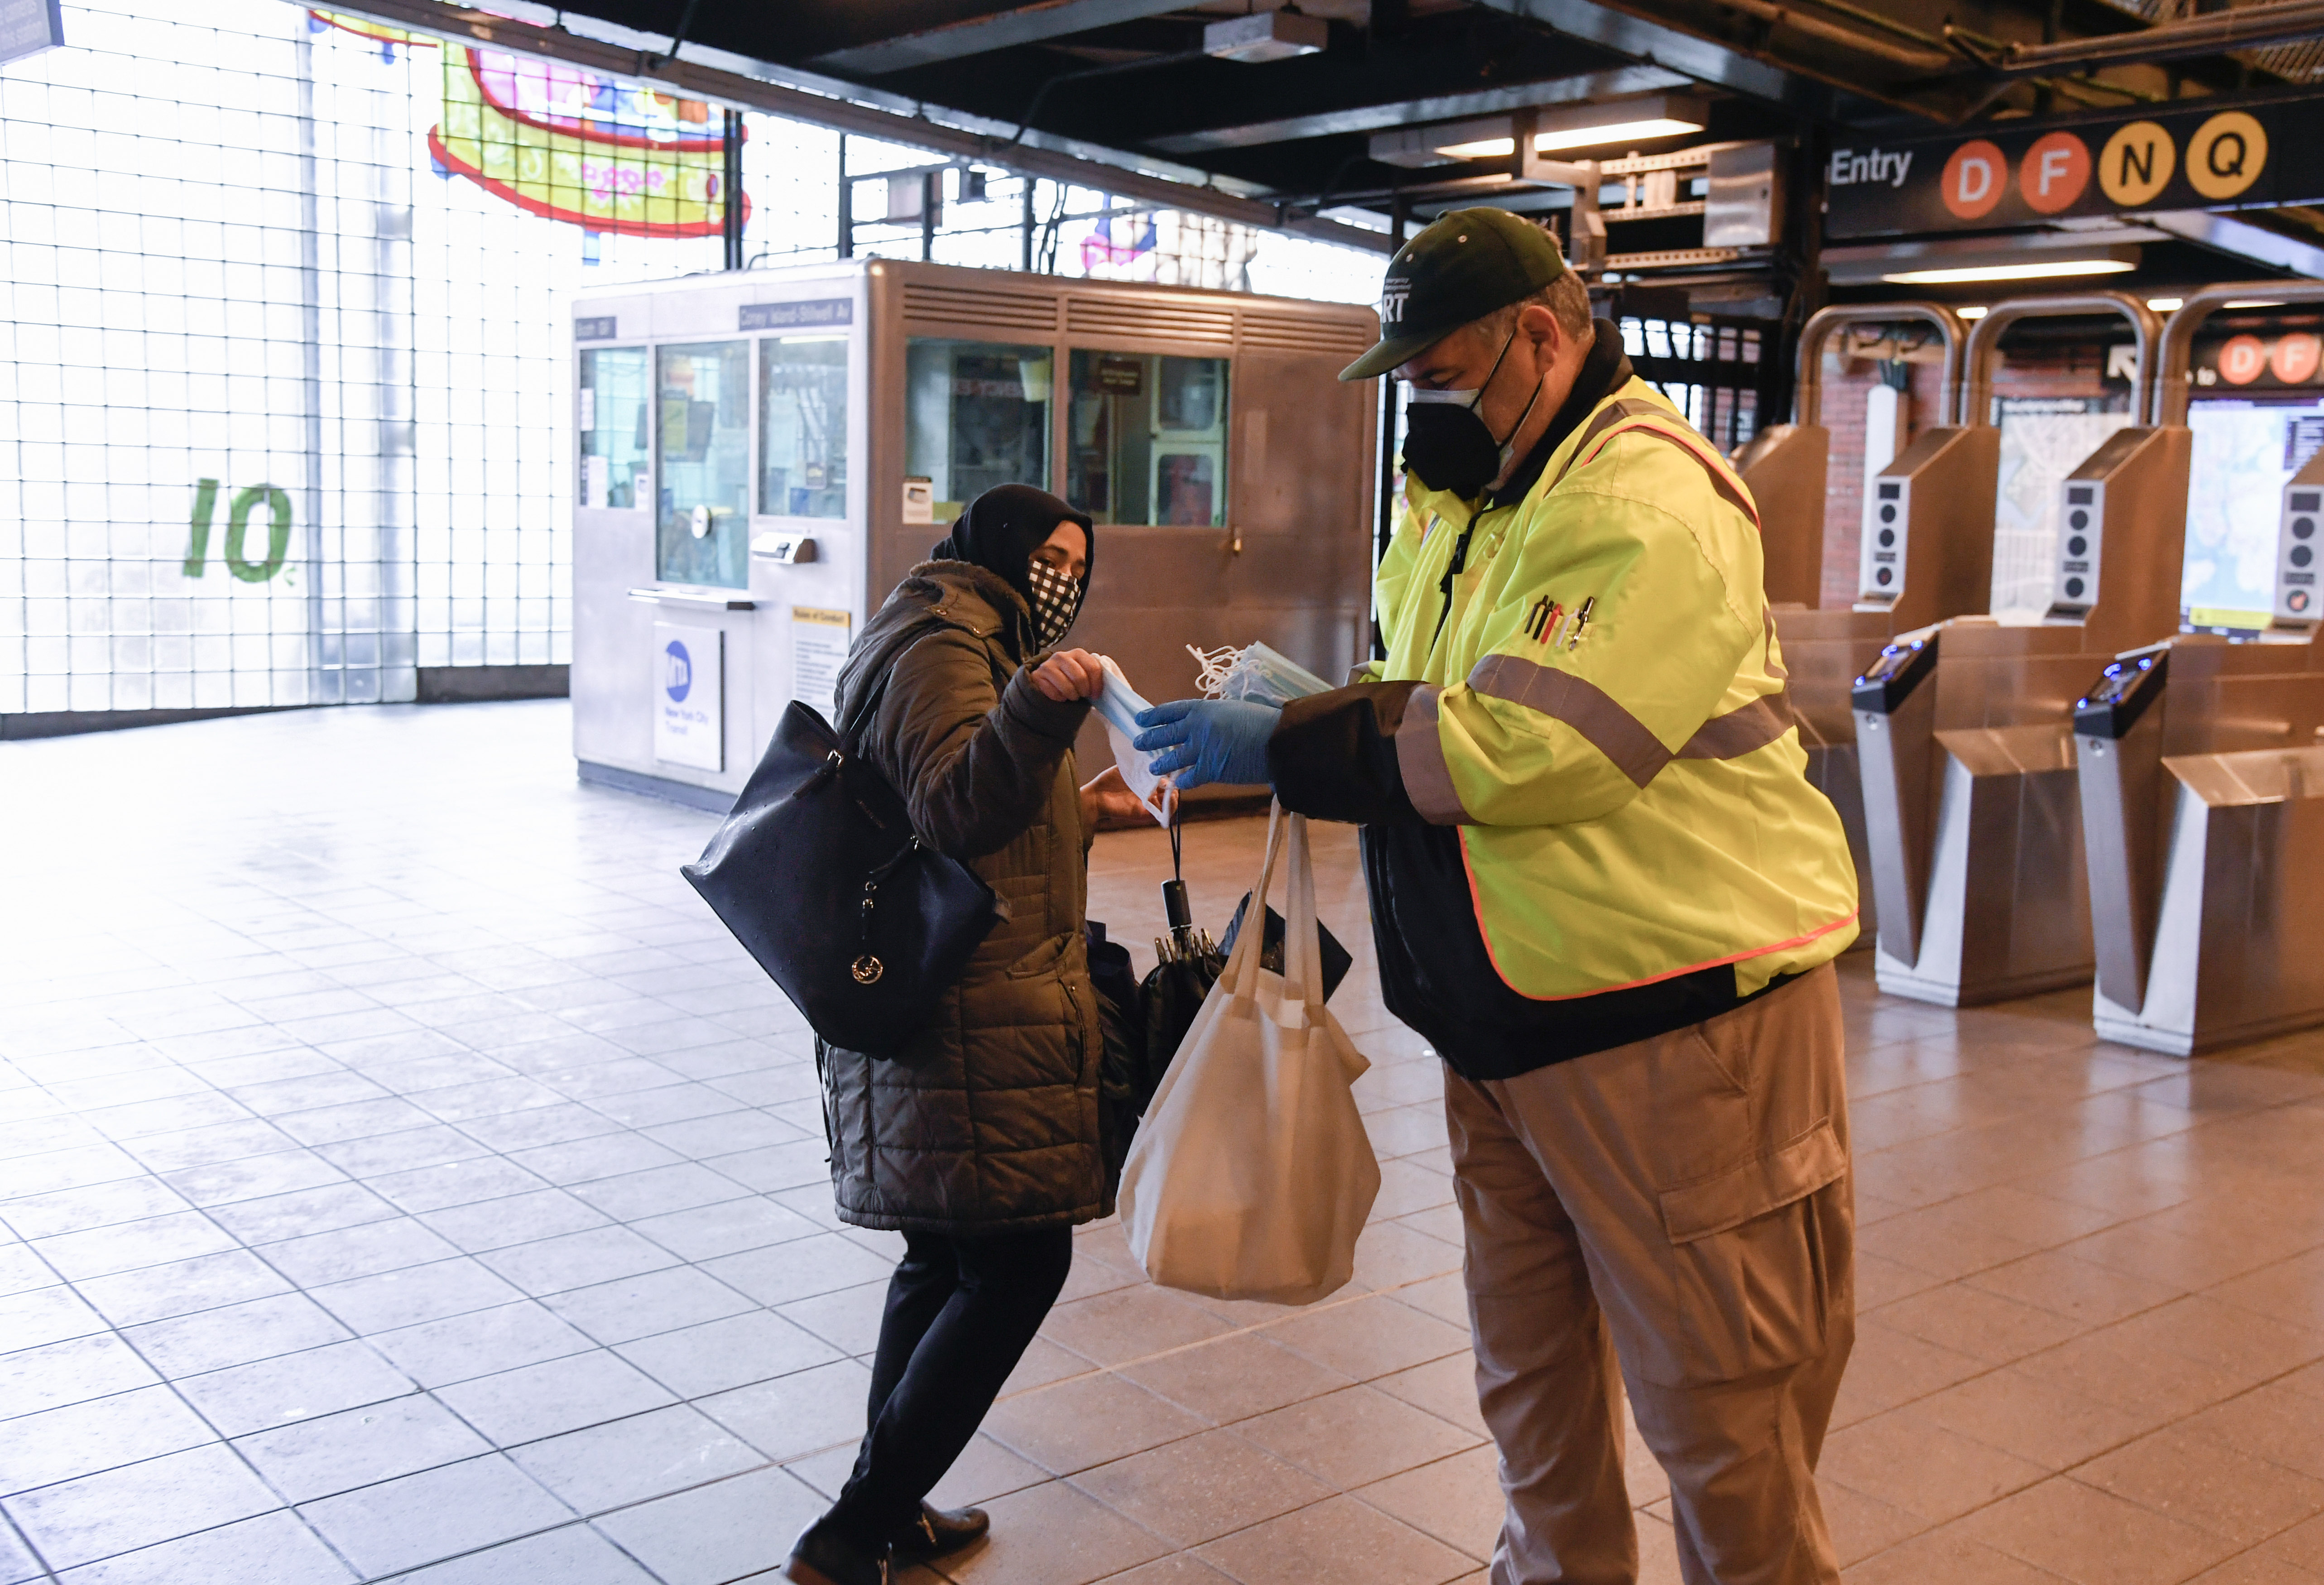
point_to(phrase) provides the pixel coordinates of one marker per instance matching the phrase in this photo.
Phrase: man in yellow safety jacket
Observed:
(1604, 891)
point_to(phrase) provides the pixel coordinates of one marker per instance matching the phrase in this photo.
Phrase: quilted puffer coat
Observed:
(987, 1121)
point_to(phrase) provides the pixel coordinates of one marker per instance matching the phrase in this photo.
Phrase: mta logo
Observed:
(677, 672)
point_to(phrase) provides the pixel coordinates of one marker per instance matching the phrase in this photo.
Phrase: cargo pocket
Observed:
(1749, 1259)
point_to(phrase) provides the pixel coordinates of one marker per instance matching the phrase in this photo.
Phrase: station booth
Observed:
(763, 455)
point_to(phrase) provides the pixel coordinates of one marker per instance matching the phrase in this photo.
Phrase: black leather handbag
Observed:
(818, 875)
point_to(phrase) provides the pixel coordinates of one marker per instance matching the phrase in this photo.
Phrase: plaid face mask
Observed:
(1056, 601)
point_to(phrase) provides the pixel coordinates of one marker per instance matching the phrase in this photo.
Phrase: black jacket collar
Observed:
(1605, 370)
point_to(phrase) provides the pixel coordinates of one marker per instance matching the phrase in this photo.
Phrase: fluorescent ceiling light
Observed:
(1974, 311)
(2030, 270)
(1615, 131)
(1956, 260)
(1635, 120)
(2165, 305)
(2258, 302)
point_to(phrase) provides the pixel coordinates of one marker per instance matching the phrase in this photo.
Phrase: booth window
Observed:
(703, 426)
(975, 415)
(613, 425)
(803, 426)
(1150, 438)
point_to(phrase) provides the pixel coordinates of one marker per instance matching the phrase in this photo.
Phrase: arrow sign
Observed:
(2122, 363)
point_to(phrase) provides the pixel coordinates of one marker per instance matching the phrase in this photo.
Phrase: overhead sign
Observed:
(561, 143)
(821, 313)
(2233, 365)
(2258, 156)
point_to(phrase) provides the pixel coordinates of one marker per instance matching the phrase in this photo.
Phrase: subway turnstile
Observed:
(1786, 467)
(2202, 797)
(1971, 806)
(2202, 790)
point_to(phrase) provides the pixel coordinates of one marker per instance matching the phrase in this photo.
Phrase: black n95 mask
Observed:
(1446, 443)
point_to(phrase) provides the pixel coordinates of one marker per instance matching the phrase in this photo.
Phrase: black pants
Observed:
(960, 1313)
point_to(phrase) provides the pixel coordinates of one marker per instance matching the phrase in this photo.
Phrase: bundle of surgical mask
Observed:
(1117, 707)
(1254, 672)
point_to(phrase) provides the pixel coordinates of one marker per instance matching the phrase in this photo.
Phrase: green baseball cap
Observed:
(1461, 267)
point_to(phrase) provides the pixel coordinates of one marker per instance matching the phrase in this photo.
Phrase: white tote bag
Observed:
(1252, 1173)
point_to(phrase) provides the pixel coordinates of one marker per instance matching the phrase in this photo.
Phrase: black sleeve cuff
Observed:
(1034, 710)
(1332, 756)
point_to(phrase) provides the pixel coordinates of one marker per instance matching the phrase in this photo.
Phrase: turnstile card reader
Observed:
(2122, 534)
(2202, 844)
(2297, 545)
(1785, 465)
(1927, 548)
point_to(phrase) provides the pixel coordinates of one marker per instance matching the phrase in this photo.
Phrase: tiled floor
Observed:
(402, 1175)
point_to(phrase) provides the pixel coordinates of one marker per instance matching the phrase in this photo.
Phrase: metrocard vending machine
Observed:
(761, 456)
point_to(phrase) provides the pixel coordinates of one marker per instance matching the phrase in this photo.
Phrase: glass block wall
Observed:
(283, 381)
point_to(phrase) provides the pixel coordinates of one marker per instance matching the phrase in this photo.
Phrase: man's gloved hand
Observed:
(1208, 739)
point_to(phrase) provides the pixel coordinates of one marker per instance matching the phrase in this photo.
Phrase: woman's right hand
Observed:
(1069, 675)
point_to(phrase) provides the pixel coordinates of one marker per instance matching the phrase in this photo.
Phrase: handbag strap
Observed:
(867, 967)
(1303, 947)
(858, 719)
(1241, 976)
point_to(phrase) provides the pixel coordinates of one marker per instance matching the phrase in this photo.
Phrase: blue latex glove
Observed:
(1209, 740)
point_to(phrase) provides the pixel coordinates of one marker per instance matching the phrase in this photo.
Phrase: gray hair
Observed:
(1566, 299)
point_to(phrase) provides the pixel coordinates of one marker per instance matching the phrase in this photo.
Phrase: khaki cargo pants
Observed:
(1681, 1206)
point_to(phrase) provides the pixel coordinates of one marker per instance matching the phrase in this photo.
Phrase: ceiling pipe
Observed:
(1914, 59)
(2248, 28)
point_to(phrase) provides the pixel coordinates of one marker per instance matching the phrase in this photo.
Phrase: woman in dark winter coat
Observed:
(978, 1139)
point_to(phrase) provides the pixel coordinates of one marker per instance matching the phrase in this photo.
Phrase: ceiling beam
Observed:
(2224, 233)
(1697, 59)
(1132, 179)
(1564, 90)
(1015, 25)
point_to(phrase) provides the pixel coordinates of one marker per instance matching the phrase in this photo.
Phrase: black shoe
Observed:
(827, 1556)
(940, 1533)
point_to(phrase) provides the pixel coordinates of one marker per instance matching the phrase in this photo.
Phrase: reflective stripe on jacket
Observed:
(1601, 713)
